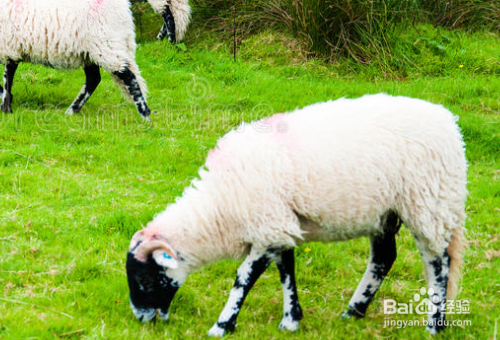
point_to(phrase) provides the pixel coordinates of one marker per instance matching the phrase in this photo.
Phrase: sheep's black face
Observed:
(151, 289)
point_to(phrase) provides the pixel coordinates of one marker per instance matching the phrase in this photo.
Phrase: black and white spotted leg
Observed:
(8, 78)
(382, 256)
(168, 27)
(292, 312)
(92, 79)
(437, 269)
(130, 81)
(249, 271)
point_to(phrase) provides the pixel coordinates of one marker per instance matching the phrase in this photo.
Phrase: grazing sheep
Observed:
(175, 14)
(331, 171)
(70, 34)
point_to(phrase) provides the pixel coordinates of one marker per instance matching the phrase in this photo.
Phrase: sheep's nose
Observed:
(143, 314)
(163, 314)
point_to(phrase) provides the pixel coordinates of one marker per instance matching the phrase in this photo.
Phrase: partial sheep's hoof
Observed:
(287, 324)
(6, 104)
(433, 330)
(216, 331)
(351, 313)
(346, 315)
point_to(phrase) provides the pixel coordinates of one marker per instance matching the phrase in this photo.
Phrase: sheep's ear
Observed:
(165, 258)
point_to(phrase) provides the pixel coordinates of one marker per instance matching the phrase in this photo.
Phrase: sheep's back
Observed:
(64, 33)
(354, 160)
(342, 165)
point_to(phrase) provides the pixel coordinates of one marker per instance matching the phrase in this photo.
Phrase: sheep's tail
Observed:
(455, 250)
(142, 83)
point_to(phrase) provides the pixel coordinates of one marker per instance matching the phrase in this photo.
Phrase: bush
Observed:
(364, 30)
(469, 14)
(357, 28)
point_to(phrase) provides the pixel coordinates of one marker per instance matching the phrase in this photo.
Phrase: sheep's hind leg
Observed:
(92, 79)
(249, 271)
(8, 78)
(437, 268)
(382, 256)
(168, 26)
(292, 312)
(128, 78)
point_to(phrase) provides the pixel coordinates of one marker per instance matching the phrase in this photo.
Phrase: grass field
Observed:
(73, 190)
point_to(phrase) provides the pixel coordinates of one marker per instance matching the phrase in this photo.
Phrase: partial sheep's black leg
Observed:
(292, 312)
(130, 81)
(437, 268)
(383, 255)
(248, 273)
(8, 78)
(168, 26)
(92, 79)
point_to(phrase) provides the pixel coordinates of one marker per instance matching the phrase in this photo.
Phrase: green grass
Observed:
(73, 190)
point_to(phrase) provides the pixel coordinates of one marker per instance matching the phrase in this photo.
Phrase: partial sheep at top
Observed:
(68, 34)
(175, 14)
(328, 172)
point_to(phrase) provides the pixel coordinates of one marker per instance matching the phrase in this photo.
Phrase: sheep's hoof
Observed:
(6, 109)
(6, 104)
(70, 111)
(346, 316)
(287, 324)
(351, 313)
(433, 330)
(216, 331)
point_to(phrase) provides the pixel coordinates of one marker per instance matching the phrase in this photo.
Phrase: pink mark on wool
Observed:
(219, 157)
(274, 119)
(18, 6)
(216, 157)
(280, 128)
(98, 4)
(276, 124)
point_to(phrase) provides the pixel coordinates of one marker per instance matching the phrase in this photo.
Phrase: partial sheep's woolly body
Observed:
(68, 34)
(180, 10)
(326, 172)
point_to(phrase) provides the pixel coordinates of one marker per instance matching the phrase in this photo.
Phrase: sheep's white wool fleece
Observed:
(69, 33)
(339, 165)
(180, 10)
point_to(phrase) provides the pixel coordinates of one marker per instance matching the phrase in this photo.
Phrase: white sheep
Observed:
(175, 14)
(331, 171)
(70, 34)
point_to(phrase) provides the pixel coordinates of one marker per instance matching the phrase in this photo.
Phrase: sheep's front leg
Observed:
(292, 312)
(382, 256)
(92, 79)
(8, 78)
(168, 26)
(249, 271)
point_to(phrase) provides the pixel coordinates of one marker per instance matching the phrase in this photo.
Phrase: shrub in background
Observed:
(365, 30)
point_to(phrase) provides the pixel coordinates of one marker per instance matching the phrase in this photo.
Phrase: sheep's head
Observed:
(176, 15)
(153, 276)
